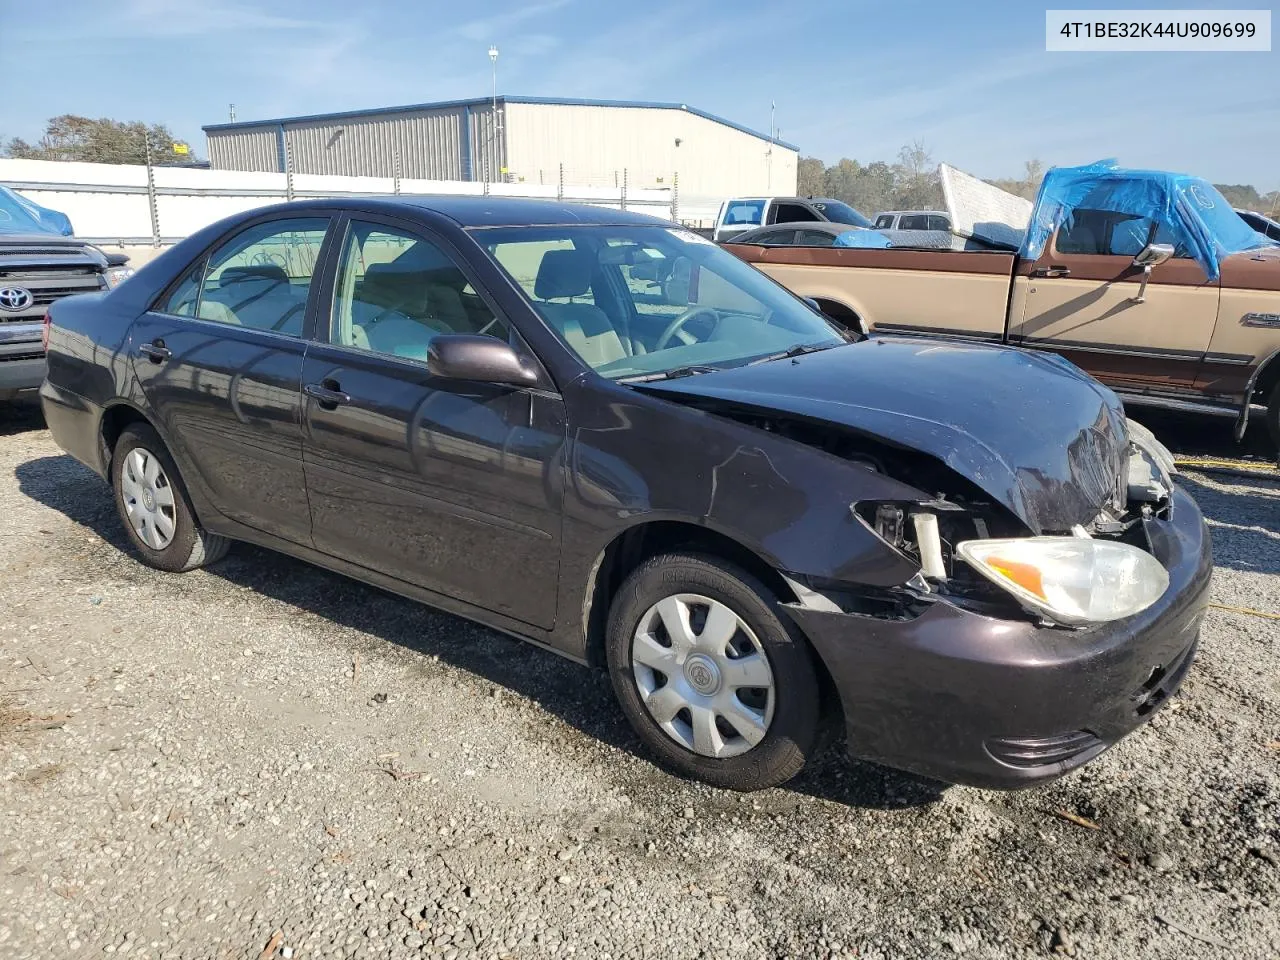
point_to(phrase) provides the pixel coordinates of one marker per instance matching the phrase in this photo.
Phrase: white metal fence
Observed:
(124, 205)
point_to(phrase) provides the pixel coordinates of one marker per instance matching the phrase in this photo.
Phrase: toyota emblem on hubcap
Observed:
(702, 674)
(15, 298)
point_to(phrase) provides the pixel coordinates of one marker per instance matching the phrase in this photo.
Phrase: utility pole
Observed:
(773, 109)
(494, 127)
(232, 111)
(151, 190)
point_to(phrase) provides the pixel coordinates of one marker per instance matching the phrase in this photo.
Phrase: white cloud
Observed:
(498, 26)
(176, 18)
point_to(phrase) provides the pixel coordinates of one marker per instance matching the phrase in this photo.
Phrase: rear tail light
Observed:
(44, 332)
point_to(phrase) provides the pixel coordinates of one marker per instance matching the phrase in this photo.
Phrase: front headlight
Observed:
(118, 275)
(1070, 580)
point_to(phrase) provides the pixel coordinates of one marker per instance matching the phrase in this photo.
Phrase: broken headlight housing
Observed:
(1070, 580)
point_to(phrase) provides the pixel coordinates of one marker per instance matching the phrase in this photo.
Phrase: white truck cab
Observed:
(747, 213)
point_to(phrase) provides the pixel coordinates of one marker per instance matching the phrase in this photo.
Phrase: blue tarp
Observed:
(865, 239)
(1188, 212)
(20, 215)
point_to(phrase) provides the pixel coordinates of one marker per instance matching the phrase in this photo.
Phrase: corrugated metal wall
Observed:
(451, 143)
(429, 144)
(252, 148)
(531, 141)
(595, 143)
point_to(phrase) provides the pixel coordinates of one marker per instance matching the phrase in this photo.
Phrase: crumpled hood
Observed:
(1029, 429)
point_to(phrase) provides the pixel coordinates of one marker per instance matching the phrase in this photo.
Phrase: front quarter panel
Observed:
(637, 458)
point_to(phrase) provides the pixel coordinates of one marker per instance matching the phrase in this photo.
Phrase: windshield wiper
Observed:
(672, 374)
(799, 350)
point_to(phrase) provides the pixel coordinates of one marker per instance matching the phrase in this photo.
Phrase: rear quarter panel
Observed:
(939, 292)
(88, 369)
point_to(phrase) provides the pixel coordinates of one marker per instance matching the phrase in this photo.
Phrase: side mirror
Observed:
(464, 356)
(813, 304)
(1152, 255)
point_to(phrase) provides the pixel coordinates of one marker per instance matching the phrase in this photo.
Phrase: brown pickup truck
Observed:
(1168, 302)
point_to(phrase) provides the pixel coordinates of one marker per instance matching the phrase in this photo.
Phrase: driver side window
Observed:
(396, 291)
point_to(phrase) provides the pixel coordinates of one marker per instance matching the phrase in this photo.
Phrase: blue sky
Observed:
(850, 78)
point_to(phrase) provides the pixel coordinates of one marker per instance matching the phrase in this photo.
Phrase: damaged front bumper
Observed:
(1001, 703)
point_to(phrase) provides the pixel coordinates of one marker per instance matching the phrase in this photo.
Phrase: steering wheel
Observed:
(676, 325)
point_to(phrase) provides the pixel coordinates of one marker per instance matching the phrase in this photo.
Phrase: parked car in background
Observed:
(1263, 224)
(40, 263)
(605, 434)
(746, 213)
(912, 220)
(830, 234)
(1147, 280)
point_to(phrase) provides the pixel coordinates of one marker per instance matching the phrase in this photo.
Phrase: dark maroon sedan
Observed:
(599, 432)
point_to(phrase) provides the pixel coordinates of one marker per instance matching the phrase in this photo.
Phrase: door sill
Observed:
(1182, 406)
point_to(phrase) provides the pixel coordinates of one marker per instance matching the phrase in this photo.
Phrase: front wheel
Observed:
(154, 506)
(710, 674)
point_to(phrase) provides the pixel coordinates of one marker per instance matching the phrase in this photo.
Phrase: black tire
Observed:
(190, 546)
(1273, 418)
(792, 733)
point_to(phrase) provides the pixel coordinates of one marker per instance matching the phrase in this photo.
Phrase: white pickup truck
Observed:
(747, 213)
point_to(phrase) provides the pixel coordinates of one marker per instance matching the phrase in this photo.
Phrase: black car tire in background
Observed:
(189, 545)
(792, 733)
(1273, 418)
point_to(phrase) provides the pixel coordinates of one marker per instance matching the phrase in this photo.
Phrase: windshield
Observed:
(838, 212)
(650, 300)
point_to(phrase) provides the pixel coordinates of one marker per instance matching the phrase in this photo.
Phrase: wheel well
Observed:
(114, 422)
(634, 546)
(841, 314)
(1267, 380)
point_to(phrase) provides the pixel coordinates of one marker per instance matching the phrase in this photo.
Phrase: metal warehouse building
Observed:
(527, 139)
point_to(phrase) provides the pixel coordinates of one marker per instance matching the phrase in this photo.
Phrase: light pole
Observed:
(493, 123)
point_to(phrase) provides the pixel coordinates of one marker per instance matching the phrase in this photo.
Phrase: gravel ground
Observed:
(264, 759)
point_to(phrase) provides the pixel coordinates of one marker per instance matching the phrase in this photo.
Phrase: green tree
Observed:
(1242, 195)
(71, 137)
(810, 177)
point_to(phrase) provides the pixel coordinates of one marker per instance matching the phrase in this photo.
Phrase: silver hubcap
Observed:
(148, 498)
(703, 676)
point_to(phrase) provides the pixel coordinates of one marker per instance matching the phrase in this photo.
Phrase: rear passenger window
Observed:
(397, 291)
(260, 278)
(792, 213)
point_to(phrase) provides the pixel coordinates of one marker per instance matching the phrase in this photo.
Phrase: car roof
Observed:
(825, 226)
(1255, 213)
(935, 213)
(490, 211)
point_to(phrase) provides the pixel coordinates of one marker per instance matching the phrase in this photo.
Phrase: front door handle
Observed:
(155, 351)
(1056, 270)
(326, 394)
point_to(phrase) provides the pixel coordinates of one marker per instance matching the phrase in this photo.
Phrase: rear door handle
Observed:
(155, 351)
(329, 398)
(1057, 270)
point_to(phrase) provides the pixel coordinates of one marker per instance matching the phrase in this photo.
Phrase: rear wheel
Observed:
(154, 506)
(710, 673)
